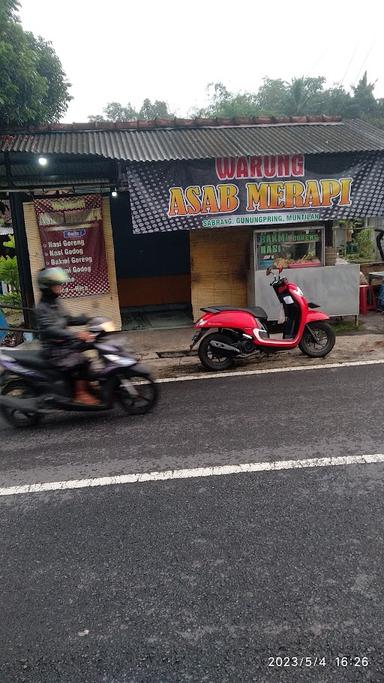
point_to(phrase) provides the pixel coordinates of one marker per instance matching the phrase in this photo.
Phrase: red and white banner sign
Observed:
(72, 238)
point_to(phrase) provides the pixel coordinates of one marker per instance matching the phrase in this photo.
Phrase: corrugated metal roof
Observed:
(65, 169)
(199, 140)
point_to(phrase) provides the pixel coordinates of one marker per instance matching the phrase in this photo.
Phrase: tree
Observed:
(154, 110)
(300, 96)
(114, 111)
(275, 97)
(9, 10)
(377, 118)
(364, 103)
(303, 96)
(336, 101)
(33, 86)
(272, 96)
(226, 104)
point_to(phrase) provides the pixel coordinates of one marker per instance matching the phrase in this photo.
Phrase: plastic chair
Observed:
(367, 299)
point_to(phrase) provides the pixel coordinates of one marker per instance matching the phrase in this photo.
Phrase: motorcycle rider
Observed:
(56, 337)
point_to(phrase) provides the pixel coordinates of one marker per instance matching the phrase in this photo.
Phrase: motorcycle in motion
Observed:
(245, 332)
(31, 388)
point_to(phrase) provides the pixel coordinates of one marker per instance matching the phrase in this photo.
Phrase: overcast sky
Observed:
(126, 50)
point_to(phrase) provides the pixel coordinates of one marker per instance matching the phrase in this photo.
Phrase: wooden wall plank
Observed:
(219, 267)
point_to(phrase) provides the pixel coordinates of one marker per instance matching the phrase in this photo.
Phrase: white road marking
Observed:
(215, 471)
(270, 371)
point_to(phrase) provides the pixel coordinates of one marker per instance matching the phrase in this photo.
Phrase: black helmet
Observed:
(49, 277)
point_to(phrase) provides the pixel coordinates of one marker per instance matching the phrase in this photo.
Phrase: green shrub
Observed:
(9, 273)
(364, 242)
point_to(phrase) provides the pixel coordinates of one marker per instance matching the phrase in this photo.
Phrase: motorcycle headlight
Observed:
(108, 326)
(120, 360)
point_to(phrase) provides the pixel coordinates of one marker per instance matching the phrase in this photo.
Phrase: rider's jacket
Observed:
(53, 321)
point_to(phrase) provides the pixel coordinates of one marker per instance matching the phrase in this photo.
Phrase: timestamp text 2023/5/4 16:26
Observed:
(313, 661)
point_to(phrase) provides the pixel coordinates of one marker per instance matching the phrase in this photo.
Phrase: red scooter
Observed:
(245, 332)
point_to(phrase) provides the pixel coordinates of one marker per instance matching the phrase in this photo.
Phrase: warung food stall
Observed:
(300, 251)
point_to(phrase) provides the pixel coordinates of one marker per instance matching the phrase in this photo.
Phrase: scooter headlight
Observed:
(120, 360)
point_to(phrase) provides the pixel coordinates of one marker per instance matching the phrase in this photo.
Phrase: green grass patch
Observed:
(346, 326)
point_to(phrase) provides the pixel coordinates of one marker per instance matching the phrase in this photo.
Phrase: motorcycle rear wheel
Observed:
(322, 344)
(17, 388)
(210, 357)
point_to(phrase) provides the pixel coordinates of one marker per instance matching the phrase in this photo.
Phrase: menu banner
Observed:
(72, 238)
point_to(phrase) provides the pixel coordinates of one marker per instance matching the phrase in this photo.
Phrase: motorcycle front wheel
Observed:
(17, 418)
(137, 394)
(317, 341)
(210, 357)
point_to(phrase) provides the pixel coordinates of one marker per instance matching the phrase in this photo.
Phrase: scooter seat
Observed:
(256, 311)
(32, 359)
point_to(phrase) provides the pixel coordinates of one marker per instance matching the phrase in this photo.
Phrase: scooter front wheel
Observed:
(318, 340)
(137, 394)
(212, 358)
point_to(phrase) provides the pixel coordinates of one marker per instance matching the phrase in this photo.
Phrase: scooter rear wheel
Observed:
(210, 357)
(318, 341)
(19, 389)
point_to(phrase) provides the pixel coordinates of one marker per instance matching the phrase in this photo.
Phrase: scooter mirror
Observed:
(269, 270)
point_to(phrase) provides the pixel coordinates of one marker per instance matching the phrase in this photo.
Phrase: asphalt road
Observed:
(207, 579)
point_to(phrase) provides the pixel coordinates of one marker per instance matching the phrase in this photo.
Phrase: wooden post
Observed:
(21, 246)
